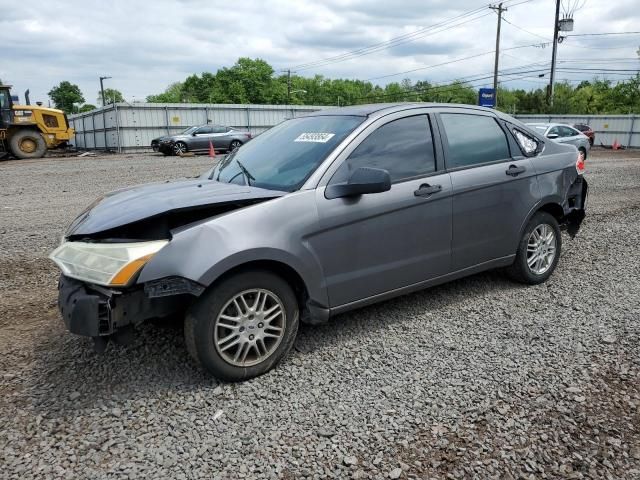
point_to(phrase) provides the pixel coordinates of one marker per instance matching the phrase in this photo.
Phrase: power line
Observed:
(526, 31)
(391, 41)
(402, 39)
(386, 45)
(456, 60)
(599, 34)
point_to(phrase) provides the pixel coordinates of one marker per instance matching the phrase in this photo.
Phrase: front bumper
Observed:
(94, 311)
(165, 147)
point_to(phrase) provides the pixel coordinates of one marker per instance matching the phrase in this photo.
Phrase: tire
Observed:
(521, 271)
(205, 331)
(179, 148)
(234, 145)
(28, 144)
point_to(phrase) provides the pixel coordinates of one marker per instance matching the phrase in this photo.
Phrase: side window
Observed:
(473, 139)
(219, 129)
(403, 147)
(567, 132)
(203, 130)
(554, 131)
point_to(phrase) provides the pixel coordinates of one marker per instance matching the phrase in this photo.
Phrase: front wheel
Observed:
(538, 251)
(235, 144)
(179, 148)
(28, 144)
(243, 326)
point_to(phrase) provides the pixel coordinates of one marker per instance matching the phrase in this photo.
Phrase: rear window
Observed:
(473, 140)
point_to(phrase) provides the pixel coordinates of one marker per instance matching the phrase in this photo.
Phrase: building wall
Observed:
(131, 127)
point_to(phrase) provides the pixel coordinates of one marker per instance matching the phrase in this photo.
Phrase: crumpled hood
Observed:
(130, 205)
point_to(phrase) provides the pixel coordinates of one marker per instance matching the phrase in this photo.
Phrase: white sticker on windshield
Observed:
(314, 137)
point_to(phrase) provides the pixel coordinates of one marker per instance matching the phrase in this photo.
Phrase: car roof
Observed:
(378, 108)
(547, 124)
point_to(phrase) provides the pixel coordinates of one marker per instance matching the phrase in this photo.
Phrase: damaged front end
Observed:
(109, 244)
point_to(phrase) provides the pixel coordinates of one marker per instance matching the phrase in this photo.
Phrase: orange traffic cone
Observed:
(616, 145)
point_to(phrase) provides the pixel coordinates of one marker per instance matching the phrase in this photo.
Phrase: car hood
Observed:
(131, 205)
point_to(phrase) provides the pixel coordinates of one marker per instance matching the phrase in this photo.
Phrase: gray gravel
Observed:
(477, 378)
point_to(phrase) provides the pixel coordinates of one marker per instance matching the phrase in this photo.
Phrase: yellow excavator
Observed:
(27, 131)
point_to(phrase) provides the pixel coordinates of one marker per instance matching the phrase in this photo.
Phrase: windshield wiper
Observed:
(246, 173)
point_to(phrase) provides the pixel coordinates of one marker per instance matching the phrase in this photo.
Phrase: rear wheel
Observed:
(243, 326)
(538, 251)
(234, 145)
(28, 144)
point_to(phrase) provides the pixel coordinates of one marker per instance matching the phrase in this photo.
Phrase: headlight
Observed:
(109, 264)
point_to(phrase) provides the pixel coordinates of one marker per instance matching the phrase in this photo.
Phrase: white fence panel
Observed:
(131, 127)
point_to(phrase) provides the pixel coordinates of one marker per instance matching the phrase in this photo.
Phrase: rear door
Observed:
(375, 243)
(494, 186)
(221, 137)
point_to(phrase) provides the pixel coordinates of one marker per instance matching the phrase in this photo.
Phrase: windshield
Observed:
(188, 130)
(283, 157)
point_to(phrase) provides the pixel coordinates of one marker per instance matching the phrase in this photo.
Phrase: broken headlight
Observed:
(109, 264)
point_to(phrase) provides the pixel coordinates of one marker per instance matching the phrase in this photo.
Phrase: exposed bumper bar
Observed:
(95, 311)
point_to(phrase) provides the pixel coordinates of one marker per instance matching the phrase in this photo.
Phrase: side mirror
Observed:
(553, 136)
(194, 134)
(363, 180)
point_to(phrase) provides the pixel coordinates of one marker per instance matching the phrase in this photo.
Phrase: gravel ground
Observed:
(478, 378)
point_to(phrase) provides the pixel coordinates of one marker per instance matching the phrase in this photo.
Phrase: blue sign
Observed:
(487, 97)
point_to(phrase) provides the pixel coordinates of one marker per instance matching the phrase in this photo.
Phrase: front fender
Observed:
(204, 252)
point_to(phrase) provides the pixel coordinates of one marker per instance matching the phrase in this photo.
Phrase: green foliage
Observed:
(87, 107)
(65, 95)
(254, 81)
(111, 95)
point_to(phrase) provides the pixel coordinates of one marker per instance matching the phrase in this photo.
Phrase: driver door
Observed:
(201, 138)
(379, 242)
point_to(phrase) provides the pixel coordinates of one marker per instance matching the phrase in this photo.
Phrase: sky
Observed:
(146, 45)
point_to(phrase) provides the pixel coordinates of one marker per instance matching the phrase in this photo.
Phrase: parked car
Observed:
(561, 133)
(317, 216)
(587, 130)
(196, 139)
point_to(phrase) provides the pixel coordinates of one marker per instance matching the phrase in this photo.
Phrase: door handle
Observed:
(515, 171)
(427, 190)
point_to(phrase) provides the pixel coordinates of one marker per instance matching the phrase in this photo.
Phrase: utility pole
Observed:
(556, 27)
(102, 89)
(289, 86)
(499, 9)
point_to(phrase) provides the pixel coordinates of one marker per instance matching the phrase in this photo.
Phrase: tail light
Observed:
(580, 163)
(249, 136)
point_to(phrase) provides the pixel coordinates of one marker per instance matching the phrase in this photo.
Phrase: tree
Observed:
(111, 95)
(87, 107)
(65, 95)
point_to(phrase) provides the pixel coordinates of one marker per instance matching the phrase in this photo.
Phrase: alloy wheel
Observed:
(179, 148)
(250, 327)
(541, 249)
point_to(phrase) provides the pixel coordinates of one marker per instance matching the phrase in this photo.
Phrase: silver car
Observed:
(197, 139)
(317, 216)
(561, 133)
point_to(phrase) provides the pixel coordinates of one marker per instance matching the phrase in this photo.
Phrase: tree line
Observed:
(254, 81)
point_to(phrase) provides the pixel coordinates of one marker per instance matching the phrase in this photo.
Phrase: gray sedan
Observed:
(561, 133)
(196, 139)
(320, 215)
